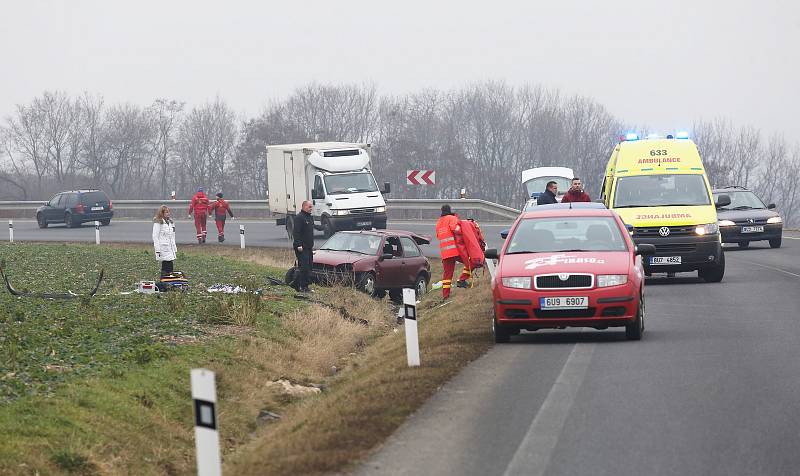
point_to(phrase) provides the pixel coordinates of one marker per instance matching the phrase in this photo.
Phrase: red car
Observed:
(568, 265)
(377, 262)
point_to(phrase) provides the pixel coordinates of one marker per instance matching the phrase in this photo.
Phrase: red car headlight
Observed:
(606, 280)
(518, 282)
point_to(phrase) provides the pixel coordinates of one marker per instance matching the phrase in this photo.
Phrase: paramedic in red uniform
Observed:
(219, 209)
(576, 193)
(447, 231)
(200, 207)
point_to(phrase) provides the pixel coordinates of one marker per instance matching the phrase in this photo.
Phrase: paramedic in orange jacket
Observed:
(448, 231)
(219, 208)
(199, 205)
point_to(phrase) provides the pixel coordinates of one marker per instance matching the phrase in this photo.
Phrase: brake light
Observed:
(110, 204)
(79, 208)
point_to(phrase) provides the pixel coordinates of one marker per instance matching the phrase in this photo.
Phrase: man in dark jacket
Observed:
(576, 193)
(303, 236)
(549, 195)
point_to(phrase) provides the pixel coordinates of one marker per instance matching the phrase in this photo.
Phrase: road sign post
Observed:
(412, 337)
(96, 232)
(241, 236)
(11, 231)
(206, 435)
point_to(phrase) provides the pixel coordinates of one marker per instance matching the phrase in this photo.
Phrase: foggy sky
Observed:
(663, 64)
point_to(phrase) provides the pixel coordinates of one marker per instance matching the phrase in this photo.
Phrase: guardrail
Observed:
(138, 207)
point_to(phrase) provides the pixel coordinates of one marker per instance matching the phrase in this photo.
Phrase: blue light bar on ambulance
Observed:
(682, 135)
(631, 136)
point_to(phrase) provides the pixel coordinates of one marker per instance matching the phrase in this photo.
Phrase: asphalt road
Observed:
(712, 389)
(257, 233)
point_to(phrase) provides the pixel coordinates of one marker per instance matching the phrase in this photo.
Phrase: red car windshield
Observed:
(353, 242)
(551, 235)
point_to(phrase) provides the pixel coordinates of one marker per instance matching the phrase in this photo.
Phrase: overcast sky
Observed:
(664, 64)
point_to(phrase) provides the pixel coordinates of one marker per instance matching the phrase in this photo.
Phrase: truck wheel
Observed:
(327, 228)
(775, 242)
(290, 226)
(41, 220)
(715, 274)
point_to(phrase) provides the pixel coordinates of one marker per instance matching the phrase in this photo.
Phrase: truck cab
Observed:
(335, 176)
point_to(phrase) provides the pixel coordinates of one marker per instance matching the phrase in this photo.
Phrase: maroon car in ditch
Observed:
(376, 262)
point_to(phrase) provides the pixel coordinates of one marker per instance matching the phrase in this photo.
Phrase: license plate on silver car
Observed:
(661, 260)
(753, 229)
(564, 302)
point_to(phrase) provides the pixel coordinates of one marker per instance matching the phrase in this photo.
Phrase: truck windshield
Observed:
(667, 190)
(538, 184)
(349, 183)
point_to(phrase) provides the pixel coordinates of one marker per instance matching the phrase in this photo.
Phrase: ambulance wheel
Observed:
(327, 228)
(715, 274)
(41, 220)
(501, 335)
(635, 329)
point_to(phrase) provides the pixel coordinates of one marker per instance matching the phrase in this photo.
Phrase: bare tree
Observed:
(166, 116)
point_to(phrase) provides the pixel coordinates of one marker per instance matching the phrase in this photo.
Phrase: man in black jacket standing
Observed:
(303, 235)
(549, 195)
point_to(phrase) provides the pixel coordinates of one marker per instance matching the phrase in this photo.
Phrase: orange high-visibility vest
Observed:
(446, 230)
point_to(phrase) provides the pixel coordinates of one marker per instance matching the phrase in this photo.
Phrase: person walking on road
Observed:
(448, 230)
(164, 239)
(199, 205)
(576, 193)
(549, 195)
(219, 209)
(303, 245)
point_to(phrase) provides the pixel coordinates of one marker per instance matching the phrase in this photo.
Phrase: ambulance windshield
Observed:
(538, 184)
(663, 190)
(350, 183)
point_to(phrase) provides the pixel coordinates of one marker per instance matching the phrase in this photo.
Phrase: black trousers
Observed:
(305, 260)
(166, 267)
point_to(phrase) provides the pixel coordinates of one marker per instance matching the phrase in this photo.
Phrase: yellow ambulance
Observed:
(660, 189)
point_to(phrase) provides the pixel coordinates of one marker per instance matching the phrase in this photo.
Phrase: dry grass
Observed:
(373, 395)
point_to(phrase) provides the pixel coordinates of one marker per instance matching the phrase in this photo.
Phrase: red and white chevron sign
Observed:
(420, 177)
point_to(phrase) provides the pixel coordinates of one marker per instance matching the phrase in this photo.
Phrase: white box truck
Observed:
(334, 176)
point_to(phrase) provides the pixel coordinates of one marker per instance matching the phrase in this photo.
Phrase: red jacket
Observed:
(199, 204)
(572, 196)
(219, 208)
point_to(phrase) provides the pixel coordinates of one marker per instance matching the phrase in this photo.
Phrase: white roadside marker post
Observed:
(10, 231)
(241, 236)
(412, 337)
(490, 267)
(206, 435)
(96, 232)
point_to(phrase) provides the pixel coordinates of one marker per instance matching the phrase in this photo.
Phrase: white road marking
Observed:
(790, 237)
(772, 268)
(533, 454)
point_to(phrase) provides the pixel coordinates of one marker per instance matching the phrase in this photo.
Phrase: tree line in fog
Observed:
(479, 137)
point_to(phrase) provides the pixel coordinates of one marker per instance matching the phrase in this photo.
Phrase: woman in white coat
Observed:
(164, 239)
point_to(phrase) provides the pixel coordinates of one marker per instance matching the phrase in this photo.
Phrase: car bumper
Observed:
(608, 307)
(92, 216)
(733, 234)
(366, 221)
(696, 252)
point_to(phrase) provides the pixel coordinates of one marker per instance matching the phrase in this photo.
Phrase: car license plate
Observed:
(753, 229)
(658, 260)
(562, 302)
(364, 223)
(97, 209)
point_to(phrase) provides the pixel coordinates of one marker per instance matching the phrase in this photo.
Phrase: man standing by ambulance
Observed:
(448, 230)
(199, 205)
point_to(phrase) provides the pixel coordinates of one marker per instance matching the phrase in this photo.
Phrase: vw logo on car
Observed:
(663, 231)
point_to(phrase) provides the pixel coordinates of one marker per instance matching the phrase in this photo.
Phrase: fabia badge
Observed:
(663, 231)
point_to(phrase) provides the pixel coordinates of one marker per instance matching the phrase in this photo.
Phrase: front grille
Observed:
(330, 274)
(676, 248)
(361, 211)
(564, 313)
(654, 231)
(573, 281)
